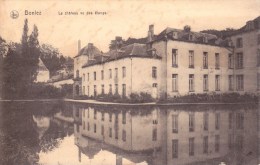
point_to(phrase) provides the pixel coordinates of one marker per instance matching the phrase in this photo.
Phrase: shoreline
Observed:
(126, 104)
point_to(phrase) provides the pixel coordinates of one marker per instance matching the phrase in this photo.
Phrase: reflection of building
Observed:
(174, 62)
(166, 135)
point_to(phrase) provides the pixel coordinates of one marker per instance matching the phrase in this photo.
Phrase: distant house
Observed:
(43, 74)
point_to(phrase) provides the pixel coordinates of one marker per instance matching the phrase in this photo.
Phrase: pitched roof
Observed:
(183, 35)
(41, 66)
(132, 50)
(90, 49)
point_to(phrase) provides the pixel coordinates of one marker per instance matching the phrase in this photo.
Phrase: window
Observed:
(217, 121)
(110, 89)
(88, 127)
(154, 72)
(110, 117)
(102, 130)
(258, 81)
(239, 142)
(95, 90)
(230, 83)
(174, 82)
(239, 61)
(217, 143)
(77, 127)
(88, 90)
(217, 61)
(83, 90)
(123, 72)
(258, 57)
(154, 134)
(239, 43)
(110, 132)
(88, 113)
(174, 148)
(174, 58)
(191, 82)
(116, 131)
(110, 73)
(102, 75)
(77, 73)
(205, 60)
(258, 39)
(230, 141)
(123, 90)
(206, 121)
(84, 125)
(102, 116)
(123, 117)
(240, 121)
(88, 76)
(95, 128)
(116, 73)
(191, 59)
(191, 146)
(103, 89)
(116, 88)
(205, 83)
(95, 76)
(205, 144)
(240, 82)
(124, 135)
(191, 122)
(95, 114)
(217, 82)
(174, 123)
(230, 120)
(84, 77)
(230, 61)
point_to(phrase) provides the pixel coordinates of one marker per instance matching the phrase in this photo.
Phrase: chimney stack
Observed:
(150, 33)
(90, 45)
(79, 46)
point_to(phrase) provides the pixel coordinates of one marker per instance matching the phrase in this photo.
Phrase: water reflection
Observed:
(61, 133)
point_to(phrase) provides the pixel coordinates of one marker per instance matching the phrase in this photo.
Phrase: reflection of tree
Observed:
(19, 141)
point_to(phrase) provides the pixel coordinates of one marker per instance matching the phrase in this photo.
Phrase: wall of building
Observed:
(250, 66)
(43, 76)
(183, 69)
(138, 77)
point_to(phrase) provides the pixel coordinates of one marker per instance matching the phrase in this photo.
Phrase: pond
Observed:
(60, 133)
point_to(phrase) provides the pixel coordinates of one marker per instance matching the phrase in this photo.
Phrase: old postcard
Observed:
(171, 82)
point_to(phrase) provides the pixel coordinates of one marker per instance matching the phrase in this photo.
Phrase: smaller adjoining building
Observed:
(43, 74)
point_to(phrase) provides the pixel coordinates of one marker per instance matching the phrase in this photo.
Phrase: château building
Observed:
(174, 62)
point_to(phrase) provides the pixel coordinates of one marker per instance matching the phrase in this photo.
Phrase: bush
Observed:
(212, 98)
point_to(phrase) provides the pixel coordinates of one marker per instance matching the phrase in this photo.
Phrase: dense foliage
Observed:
(19, 64)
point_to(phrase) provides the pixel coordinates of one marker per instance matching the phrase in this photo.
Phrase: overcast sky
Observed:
(123, 18)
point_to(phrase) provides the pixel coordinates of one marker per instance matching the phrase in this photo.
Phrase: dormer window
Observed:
(175, 35)
(205, 39)
(190, 37)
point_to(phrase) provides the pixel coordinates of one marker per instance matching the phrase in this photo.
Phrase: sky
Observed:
(121, 18)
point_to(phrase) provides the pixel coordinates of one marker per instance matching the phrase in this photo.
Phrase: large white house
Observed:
(174, 62)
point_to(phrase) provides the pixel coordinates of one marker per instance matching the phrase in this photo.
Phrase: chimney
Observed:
(79, 45)
(150, 33)
(90, 45)
(187, 28)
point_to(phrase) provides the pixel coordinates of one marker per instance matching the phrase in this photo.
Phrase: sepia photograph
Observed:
(120, 82)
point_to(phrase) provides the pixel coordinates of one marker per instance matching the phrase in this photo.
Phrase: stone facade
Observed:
(174, 62)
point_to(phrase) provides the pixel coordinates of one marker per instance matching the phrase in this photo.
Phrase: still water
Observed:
(58, 133)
